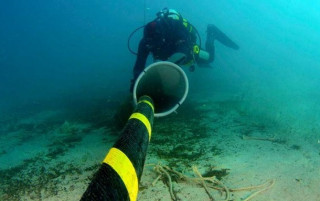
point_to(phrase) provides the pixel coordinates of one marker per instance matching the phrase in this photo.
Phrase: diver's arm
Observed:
(142, 56)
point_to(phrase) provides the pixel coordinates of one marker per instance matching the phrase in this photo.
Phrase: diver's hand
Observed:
(132, 85)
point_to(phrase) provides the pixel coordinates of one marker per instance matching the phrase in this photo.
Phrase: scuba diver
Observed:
(170, 37)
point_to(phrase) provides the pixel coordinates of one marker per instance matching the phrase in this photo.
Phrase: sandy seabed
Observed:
(49, 156)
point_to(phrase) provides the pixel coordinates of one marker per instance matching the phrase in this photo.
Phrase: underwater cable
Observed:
(120, 172)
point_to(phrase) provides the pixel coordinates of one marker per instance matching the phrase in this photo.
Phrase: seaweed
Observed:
(71, 140)
(68, 128)
(3, 152)
(93, 167)
(219, 174)
(38, 178)
(55, 152)
(295, 147)
(182, 138)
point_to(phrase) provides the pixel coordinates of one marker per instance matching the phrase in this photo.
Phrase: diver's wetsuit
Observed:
(164, 37)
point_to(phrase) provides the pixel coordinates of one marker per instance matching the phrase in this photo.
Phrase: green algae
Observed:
(295, 147)
(181, 138)
(38, 178)
(3, 152)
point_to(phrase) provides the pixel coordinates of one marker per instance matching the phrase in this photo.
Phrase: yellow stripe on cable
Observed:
(144, 120)
(145, 101)
(123, 166)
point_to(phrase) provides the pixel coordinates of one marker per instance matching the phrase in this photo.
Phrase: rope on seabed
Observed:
(206, 182)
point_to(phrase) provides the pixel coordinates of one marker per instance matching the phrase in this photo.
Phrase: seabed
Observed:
(212, 149)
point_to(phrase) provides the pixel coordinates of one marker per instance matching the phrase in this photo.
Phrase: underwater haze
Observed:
(65, 68)
(58, 50)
